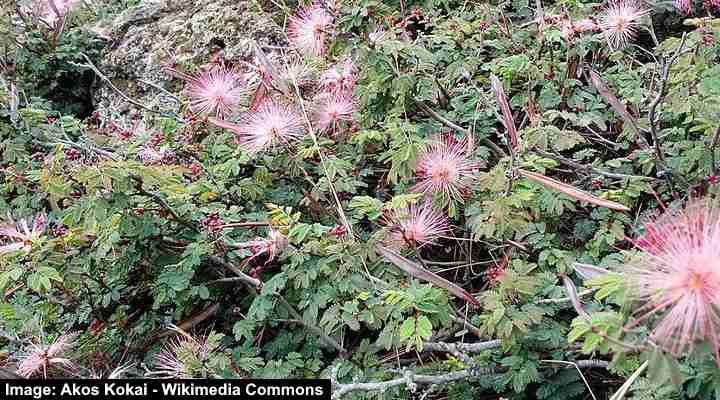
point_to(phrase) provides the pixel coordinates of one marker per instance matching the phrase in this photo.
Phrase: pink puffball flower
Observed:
(41, 357)
(378, 36)
(268, 127)
(309, 28)
(271, 246)
(181, 354)
(216, 91)
(20, 234)
(444, 168)
(685, 6)
(677, 277)
(52, 13)
(568, 31)
(620, 22)
(330, 110)
(587, 25)
(417, 225)
(339, 79)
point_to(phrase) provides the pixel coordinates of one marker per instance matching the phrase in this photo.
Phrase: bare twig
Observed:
(499, 152)
(579, 372)
(588, 168)
(193, 321)
(254, 283)
(345, 388)
(89, 64)
(565, 299)
(314, 329)
(713, 148)
(652, 113)
(461, 347)
(162, 203)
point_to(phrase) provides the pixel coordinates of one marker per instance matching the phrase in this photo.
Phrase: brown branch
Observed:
(157, 199)
(588, 168)
(713, 147)
(461, 347)
(665, 72)
(255, 285)
(411, 380)
(193, 321)
(499, 152)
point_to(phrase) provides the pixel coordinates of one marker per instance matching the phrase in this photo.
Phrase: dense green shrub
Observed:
(292, 261)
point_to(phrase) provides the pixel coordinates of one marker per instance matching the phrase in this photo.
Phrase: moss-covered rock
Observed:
(155, 33)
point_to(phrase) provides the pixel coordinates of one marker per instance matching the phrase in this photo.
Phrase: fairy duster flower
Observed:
(309, 28)
(216, 90)
(41, 357)
(416, 225)
(20, 234)
(271, 125)
(677, 277)
(339, 79)
(183, 355)
(620, 22)
(330, 110)
(444, 168)
(270, 246)
(53, 11)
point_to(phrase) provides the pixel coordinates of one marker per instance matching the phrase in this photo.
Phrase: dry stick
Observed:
(466, 324)
(247, 224)
(579, 372)
(577, 165)
(314, 329)
(193, 321)
(565, 299)
(107, 80)
(255, 285)
(410, 379)
(162, 203)
(499, 152)
(713, 146)
(338, 204)
(665, 72)
(461, 347)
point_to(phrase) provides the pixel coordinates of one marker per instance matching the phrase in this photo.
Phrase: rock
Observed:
(148, 37)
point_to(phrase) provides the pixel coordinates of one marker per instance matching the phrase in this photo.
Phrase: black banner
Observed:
(136, 389)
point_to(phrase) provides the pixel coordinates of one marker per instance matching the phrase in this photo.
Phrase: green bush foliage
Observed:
(266, 264)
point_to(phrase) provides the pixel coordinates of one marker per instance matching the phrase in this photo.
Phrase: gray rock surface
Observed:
(148, 37)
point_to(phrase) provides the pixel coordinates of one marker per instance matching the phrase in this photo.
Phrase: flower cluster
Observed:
(310, 29)
(52, 12)
(270, 246)
(276, 118)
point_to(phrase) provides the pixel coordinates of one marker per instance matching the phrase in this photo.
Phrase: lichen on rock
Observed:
(146, 38)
